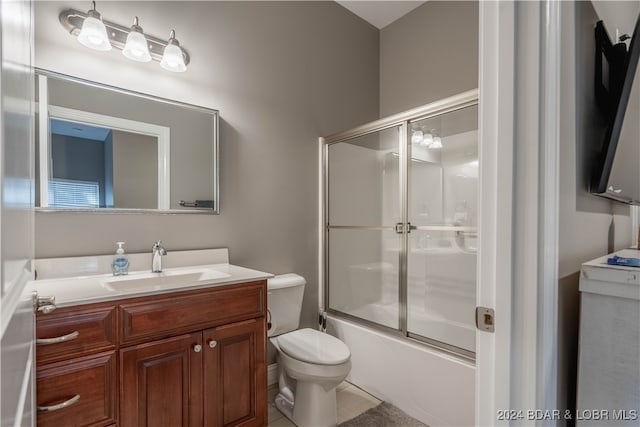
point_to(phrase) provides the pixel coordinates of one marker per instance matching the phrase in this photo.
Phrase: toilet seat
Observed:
(311, 346)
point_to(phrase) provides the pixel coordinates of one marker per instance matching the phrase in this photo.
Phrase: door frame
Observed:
(17, 318)
(516, 367)
(495, 195)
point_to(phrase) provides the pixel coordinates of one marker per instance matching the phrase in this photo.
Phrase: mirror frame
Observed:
(45, 114)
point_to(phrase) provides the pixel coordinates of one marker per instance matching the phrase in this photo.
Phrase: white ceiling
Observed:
(380, 13)
(617, 15)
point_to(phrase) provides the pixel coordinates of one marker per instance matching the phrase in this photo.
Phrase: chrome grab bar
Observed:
(399, 227)
(57, 407)
(48, 341)
(455, 228)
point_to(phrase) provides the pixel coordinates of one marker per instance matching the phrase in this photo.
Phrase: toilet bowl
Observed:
(311, 363)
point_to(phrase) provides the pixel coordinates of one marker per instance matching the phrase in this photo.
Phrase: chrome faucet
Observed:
(157, 252)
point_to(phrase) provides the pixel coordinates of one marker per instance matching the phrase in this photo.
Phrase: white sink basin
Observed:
(158, 281)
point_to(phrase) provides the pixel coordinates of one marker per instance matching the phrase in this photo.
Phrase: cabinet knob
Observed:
(213, 343)
(197, 348)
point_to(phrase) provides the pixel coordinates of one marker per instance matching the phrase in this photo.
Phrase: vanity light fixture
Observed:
(100, 34)
(172, 59)
(424, 138)
(93, 33)
(136, 47)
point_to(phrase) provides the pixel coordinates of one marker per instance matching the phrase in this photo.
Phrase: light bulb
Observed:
(136, 47)
(416, 137)
(172, 59)
(437, 142)
(93, 33)
(427, 139)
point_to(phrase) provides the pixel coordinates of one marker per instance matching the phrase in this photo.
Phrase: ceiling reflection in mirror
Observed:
(106, 149)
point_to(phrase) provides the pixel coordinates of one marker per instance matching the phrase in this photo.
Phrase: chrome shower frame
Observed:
(403, 121)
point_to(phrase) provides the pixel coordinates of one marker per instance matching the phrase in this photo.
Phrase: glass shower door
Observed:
(442, 210)
(364, 206)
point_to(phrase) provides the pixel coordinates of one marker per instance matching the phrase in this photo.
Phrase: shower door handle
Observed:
(399, 227)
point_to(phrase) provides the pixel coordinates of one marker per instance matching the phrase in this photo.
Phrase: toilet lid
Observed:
(311, 346)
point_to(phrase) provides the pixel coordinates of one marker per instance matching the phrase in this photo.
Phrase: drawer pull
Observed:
(47, 341)
(213, 343)
(197, 348)
(65, 404)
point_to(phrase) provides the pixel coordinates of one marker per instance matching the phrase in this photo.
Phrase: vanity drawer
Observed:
(75, 331)
(185, 312)
(88, 386)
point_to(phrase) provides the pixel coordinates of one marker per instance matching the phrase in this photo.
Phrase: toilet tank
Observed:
(284, 299)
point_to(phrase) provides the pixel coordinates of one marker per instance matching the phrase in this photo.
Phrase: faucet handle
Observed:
(157, 247)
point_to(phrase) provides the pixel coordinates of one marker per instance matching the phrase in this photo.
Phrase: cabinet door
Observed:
(161, 383)
(235, 380)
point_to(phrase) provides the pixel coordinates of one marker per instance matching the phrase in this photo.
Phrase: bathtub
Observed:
(432, 386)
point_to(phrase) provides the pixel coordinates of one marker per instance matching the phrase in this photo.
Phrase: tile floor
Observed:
(351, 402)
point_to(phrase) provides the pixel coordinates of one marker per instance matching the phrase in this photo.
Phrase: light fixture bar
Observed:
(72, 21)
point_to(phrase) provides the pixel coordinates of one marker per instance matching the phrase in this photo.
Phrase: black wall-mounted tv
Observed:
(615, 68)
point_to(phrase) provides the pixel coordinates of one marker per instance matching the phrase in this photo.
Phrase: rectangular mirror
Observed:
(101, 148)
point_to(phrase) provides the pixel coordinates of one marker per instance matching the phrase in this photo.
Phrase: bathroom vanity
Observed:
(609, 348)
(185, 347)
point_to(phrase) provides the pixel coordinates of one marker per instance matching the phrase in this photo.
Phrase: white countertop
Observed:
(601, 278)
(81, 280)
(70, 291)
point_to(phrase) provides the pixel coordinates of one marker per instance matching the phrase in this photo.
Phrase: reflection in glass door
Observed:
(442, 209)
(364, 205)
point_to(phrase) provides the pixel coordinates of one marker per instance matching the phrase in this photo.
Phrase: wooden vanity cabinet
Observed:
(76, 366)
(191, 359)
(215, 377)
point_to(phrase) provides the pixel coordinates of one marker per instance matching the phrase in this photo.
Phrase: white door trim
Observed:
(17, 370)
(518, 253)
(548, 209)
(496, 86)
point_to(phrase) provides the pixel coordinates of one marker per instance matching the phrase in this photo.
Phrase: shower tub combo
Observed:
(398, 258)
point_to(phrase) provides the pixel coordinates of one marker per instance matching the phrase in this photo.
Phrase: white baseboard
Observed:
(272, 374)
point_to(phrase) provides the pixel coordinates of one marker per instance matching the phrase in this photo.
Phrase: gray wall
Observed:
(281, 74)
(428, 54)
(589, 226)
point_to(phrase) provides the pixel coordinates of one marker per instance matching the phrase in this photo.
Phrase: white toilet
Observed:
(311, 363)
